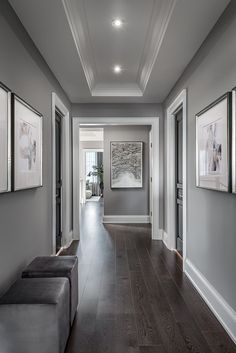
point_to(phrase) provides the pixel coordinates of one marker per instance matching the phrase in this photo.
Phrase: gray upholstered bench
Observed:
(57, 266)
(34, 316)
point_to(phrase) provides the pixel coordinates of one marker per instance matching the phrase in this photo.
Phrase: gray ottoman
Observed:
(35, 316)
(57, 266)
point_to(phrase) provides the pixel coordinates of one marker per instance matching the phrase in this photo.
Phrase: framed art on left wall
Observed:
(26, 145)
(5, 139)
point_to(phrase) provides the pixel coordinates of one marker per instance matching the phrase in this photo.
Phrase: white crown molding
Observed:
(158, 26)
(126, 90)
(126, 219)
(222, 310)
(76, 20)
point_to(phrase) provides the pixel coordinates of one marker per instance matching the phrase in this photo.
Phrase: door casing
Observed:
(154, 122)
(170, 232)
(66, 180)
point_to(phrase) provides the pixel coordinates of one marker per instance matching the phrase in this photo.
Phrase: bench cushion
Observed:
(57, 266)
(34, 316)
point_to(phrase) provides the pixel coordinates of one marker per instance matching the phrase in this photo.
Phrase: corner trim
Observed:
(81, 40)
(126, 219)
(160, 21)
(220, 308)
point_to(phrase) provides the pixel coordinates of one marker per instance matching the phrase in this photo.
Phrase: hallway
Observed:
(134, 297)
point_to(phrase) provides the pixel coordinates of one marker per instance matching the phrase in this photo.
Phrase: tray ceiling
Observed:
(156, 42)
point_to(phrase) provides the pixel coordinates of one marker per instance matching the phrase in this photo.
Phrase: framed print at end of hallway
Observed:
(26, 145)
(213, 145)
(5, 139)
(126, 164)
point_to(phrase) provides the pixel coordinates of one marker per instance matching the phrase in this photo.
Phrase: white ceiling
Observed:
(157, 41)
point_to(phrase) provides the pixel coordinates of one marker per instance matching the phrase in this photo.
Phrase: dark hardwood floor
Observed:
(134, 297)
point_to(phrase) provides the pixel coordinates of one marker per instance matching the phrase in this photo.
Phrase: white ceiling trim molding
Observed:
(158, 26)
(125, 90)
(81, 39)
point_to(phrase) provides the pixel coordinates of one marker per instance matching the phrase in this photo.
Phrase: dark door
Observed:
(58, 130)
(179, 181)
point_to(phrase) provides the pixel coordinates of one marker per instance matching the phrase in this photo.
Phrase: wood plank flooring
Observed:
(134, 297)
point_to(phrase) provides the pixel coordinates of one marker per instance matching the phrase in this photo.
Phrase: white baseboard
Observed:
(157, 235)
(126, 219)
(67, 239)
(221, 309)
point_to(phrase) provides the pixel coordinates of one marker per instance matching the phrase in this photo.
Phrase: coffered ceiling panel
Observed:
(157, 40)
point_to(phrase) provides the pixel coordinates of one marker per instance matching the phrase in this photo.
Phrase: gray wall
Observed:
(128, 110)
(128, 201)
(211, 238)
(91, 145)
(25, 216)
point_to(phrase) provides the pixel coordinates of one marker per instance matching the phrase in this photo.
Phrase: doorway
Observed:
(61, 181)
(179, 180)
(78, 123)
(175, 235)
(58, 181)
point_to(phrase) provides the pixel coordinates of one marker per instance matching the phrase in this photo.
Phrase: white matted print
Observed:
(5, 140)
(212, 146)
(27, 146)
(127, 164)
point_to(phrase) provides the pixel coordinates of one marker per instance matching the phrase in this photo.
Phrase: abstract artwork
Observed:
(127, 164)
(212, 146)
(27, 125)
(5, 139)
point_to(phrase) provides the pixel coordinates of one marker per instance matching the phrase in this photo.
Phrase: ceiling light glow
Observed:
(117, 69)
(117, 23)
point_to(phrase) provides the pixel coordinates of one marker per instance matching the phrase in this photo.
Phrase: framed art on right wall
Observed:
(234, 140)
(213, 145)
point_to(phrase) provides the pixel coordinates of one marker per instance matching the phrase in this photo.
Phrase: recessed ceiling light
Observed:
(117, 23)
(117, 69)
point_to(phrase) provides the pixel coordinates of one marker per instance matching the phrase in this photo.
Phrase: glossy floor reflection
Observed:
(134, 297)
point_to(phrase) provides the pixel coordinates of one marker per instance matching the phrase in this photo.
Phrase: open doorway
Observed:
(121, 216)
(93, 167)
(91, 164)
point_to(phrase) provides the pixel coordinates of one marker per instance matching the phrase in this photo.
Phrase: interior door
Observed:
(179, 181)
(58, 140)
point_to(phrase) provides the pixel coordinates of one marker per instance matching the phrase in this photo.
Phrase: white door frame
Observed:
(170, 236)
(150, 174)
(65, 164)
(154, 122)
(84, 150)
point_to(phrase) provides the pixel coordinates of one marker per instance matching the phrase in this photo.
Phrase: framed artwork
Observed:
(213, 151)
(126, 164)
(5, 139)
(26, 145)
(234, 140)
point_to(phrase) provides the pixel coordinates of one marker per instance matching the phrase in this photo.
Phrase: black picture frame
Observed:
(228, 120)
(8, 167)
(16, 186)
